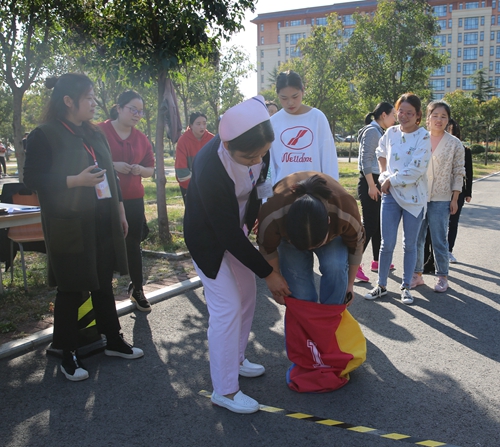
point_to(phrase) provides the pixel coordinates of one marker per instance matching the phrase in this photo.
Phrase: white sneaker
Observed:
(249, 369)
(452, 258)
(406, 297)
(240, 403)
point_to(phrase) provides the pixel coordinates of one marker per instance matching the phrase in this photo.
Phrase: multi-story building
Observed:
(470, 33)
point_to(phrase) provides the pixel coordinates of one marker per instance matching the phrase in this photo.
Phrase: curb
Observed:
(45, 336)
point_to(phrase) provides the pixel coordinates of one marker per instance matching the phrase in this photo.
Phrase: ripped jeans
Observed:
(297, 268)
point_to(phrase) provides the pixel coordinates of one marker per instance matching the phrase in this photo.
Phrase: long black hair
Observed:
(307, 222)
(122, 101)
(377, 113)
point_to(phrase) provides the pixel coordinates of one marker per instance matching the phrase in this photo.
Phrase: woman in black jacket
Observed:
(222, 203)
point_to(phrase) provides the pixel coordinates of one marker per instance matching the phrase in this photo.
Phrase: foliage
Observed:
(464, 110)
(484, 87)
(393, 51)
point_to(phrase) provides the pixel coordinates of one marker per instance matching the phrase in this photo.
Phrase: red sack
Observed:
(324, 343)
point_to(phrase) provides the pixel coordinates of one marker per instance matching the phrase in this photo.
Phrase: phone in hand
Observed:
(96, 170)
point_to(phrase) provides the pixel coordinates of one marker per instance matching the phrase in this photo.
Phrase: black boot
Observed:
(116, 346)
(72, 367)
(137, 296)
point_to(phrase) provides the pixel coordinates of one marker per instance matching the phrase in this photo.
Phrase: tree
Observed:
(484, 88)
(393, 51)
(28, 36)
(148, 40)
(464, 110)
(489, 112)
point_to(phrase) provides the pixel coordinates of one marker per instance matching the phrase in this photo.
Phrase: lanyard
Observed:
(90, 149)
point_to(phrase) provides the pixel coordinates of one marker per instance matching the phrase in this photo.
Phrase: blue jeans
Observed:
(297, 268)
(437, 218)
(390, 216)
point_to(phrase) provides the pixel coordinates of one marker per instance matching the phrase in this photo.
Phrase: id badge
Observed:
(265, 190)
(102, 189)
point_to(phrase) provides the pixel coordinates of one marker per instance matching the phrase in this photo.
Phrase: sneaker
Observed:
(249, 369)
(452, 258)
(441, 285)
(360, 276)
(406, 297)
(376, 292)
(417, 280)
(240, 403)
(137, 296)
(118, 347)
(374, 266)
(72, 367)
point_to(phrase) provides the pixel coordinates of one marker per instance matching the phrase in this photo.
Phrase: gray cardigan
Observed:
(368, 138)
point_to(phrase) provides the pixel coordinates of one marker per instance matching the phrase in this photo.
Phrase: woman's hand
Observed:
(122, 167)
(468, 199)
(135, 169)
(278, 287)
(85, 178)
(385, 185)
(374, 192)
(453, 207)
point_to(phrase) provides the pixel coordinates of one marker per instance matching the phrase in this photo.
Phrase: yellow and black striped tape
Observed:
(350, 427)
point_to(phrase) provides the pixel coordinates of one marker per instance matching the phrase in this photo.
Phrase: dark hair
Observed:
(74, 85)
(455, 128)
(254, 139)
(271, 103)
(289, 79)
(307, 219)
(414, 101)
(434, 105)
(382, 107)
(194, 116)
(122, 101)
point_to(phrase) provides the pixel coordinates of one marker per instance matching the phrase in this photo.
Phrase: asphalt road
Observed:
(432, 374)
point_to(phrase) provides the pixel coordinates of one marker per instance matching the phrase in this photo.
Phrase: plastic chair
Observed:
(24, 233)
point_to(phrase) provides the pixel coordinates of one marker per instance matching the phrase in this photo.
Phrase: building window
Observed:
(493, 4)
(459, 82)
(492, 35)
(286, 23)
(472, 5)
(440, 41)
(482, 21)
(492, 20)
(459, 67)
(438, 72)
(449, 38)
(262, 79)
(437, 84)
(480, 65)
(470, 54)
(448, 82)
(491, 67)
(460, 23)
(262, 27)
(321, 21)
(349, 20)
(348, 33)
(448, 69)
(498, 20)
(450, 7)
(294, 38)
(262, 41)
(294, 52)
(450, 23)
(261, 53)
(460, 6)
(295, 23)
(482, 4)
(497, 82)
(279, 38)
(498, 36)
(287, 51)
(304, 22)
(459, 52)
(469, 68)
(498, 53)
(470, 38)
(442, 23)
(497, 67)
(279, 25)
(262, 66)
(279, 52)
(481, 51)
(459, 37)
(287, 36)
(481, 36)
(471, 23)
(492, 51)
(468, 84)
(440, 11)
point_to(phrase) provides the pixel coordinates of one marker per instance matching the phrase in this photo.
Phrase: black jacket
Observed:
(211, 220)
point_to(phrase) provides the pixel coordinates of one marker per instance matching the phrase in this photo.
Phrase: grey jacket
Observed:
(368, 138)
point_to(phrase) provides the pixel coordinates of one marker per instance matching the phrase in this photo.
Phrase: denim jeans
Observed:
(297, 268)
(390, 216)
(437, 218)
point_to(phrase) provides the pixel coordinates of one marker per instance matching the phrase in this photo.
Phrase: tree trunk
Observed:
(17, 105)
(486, 147)
(161, 201)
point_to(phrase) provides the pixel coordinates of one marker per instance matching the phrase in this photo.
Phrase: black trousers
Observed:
(4, 165)
(370, 210)
(103, 301)
(453, 224)
(134, 210)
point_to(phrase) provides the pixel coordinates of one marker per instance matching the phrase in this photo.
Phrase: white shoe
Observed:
(240, 403)
(249, 369)
(406, 297)
(452, 258)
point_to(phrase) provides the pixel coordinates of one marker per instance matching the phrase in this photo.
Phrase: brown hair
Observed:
(414, 101)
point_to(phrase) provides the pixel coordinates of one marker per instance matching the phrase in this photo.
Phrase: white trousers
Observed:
(231, 305)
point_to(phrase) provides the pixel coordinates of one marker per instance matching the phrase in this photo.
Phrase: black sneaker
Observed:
(117, 347)
(72, 367)
(376, 292)
(137, 296)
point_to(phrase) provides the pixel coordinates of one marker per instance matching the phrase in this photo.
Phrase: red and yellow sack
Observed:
(324, 343)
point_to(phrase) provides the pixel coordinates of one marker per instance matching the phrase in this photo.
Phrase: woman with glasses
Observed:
(445, 181)
(133, 160)
(403, 155)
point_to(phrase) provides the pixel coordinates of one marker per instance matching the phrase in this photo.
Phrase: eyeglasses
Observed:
(407, 114)
(134, 111)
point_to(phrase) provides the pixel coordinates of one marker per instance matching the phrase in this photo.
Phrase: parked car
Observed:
(338, 138)
(351, 138)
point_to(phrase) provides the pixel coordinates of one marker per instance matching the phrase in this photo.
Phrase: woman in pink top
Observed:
(133, 159)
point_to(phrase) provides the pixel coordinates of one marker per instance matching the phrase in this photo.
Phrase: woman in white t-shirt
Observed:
(403, 155)
(303, 139)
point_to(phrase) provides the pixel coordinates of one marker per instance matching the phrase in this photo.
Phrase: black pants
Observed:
(103, 301)
(183, 192)
(134, 210)
(2, 161)
(370, 210)
(453, 225)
